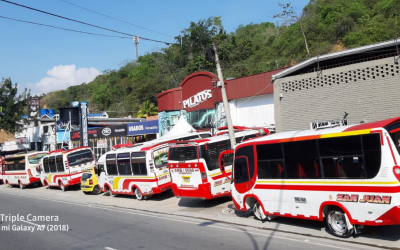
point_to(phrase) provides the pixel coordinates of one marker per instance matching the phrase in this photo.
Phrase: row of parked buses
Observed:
(348, 176)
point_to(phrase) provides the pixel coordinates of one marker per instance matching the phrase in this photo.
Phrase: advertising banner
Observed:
(106, 132)
(34, 106)
(102, 143)
(143, 128)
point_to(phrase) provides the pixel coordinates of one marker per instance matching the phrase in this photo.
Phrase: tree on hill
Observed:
(13, 106)
(147, 109)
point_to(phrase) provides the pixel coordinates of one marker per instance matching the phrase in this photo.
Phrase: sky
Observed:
(45, 59)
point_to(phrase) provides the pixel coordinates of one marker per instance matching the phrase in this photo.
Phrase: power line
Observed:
(73, 20)
(115, 18)
(55, 27)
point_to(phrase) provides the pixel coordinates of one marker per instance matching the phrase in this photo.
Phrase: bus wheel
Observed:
(258, 213)
(138, 194)
(62, 187)
(21, 186)
(96, 190)
(337, 223)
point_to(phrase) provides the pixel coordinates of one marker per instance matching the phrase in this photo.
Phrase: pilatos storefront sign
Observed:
(196, 99)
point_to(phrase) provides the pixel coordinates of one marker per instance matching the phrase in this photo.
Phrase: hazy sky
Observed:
(46, 59)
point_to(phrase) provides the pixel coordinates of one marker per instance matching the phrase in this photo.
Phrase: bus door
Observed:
(243, 173)
(161, 171)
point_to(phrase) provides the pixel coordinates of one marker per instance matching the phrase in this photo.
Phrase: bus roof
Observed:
(218, 138)
(319, 133)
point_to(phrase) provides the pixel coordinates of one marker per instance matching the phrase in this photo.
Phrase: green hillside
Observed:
(327, 25)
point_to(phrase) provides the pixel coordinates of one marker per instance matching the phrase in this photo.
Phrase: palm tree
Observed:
(147, 109)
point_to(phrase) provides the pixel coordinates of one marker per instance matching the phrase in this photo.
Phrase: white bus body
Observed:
(22, 169)
(348, 176)
(64, 168)
(195, 169)
(140, 170)
(1, 169)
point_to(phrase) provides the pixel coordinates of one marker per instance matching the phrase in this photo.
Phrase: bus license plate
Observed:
(186, 170)
(186, 179)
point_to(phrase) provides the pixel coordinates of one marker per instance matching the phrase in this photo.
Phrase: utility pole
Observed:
(55, 133)
(225, 99)
(136, 41)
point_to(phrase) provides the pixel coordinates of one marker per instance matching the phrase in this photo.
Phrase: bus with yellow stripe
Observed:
(195, 169)
(141, 169)
(64, 168)
(348, 176)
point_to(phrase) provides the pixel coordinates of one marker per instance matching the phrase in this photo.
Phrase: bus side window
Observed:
(270, 161)
(299, 159)
(372, 154)
(111, 164)
(342, 157)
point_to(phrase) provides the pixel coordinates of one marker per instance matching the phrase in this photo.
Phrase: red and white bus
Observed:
(1, 168)
(195, 169)
(63, 168)
(142, 169)
(22, 169)
(348, 176)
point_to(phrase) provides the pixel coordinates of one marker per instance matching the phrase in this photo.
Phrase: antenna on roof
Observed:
(396, 58)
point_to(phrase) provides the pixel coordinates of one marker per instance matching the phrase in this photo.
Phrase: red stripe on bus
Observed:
(394, 130)
(363, 189)
(126, 182)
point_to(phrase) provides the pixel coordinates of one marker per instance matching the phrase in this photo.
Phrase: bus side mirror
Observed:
(221, 161)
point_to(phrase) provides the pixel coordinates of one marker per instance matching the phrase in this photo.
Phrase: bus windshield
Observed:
(34, 159)
(183, 153)
(80, 157)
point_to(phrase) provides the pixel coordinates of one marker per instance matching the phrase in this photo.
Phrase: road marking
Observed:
(178, 220)
(110, 248)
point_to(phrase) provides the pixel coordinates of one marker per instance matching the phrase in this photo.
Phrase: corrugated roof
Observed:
(333, 56)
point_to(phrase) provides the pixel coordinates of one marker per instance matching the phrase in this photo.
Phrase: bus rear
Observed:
(195, 171)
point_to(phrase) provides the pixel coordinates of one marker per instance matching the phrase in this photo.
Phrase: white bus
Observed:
(195, 169)
(1, 168)
(348, 176)
(22, 169)
(64, 168)
(140, 170)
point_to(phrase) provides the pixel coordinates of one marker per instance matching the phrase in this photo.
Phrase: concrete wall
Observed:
(371, 92)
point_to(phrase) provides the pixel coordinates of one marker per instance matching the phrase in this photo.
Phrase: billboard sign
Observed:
(143, 128)
(34, 106)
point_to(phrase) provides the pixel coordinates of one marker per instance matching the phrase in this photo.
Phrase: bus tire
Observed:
(138, 194)
(338, 224)
(258, 213)
(96, 190)
(21, 186)
(62, 187)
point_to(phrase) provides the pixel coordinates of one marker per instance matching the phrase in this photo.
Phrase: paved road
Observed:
(105, 227)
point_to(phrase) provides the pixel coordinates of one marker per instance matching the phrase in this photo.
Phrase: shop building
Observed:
(199, 99)
(358, 85)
